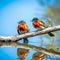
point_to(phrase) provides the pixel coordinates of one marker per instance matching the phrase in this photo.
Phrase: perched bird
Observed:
(40, 25)
(22, 28)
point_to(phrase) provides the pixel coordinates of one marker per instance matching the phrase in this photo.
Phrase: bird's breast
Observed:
(36, 25)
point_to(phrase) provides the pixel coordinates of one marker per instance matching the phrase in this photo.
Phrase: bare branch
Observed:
(30, 34)
(26, 46)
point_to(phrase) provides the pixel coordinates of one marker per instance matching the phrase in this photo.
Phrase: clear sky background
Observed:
(11, 12)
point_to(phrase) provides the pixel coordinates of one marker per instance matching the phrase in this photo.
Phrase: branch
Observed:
(30, 34)
(29, 47)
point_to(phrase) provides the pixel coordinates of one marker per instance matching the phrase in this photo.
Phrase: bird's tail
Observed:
(25, 40)
(51, 34)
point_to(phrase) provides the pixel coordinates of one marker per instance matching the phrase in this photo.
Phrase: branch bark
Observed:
(26, 46)
(30, 34)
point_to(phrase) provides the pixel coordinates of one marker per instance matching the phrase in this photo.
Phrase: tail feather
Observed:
(25, 40)
(51, 34)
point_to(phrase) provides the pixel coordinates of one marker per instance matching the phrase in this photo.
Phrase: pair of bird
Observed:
(38, 24)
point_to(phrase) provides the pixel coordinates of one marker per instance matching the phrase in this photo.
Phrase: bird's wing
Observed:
(45, 25)
(41, 23)
(27, 28)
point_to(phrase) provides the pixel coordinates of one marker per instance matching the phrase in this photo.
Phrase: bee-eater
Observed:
(40, 25)
(22, 28)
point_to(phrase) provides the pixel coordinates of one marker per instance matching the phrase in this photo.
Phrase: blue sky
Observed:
(11, 12)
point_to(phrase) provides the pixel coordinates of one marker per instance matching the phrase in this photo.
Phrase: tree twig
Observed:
(30, 34)
(26, 46)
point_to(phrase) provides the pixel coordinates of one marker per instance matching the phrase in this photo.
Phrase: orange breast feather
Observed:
(22, 27)
(36, 24)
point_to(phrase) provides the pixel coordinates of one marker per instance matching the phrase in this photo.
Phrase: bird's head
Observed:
(34, 19)
(22, 21)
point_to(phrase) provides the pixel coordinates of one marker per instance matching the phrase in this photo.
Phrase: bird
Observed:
(39, 56)
(22, 53)
(22, 28)
(40, 25)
